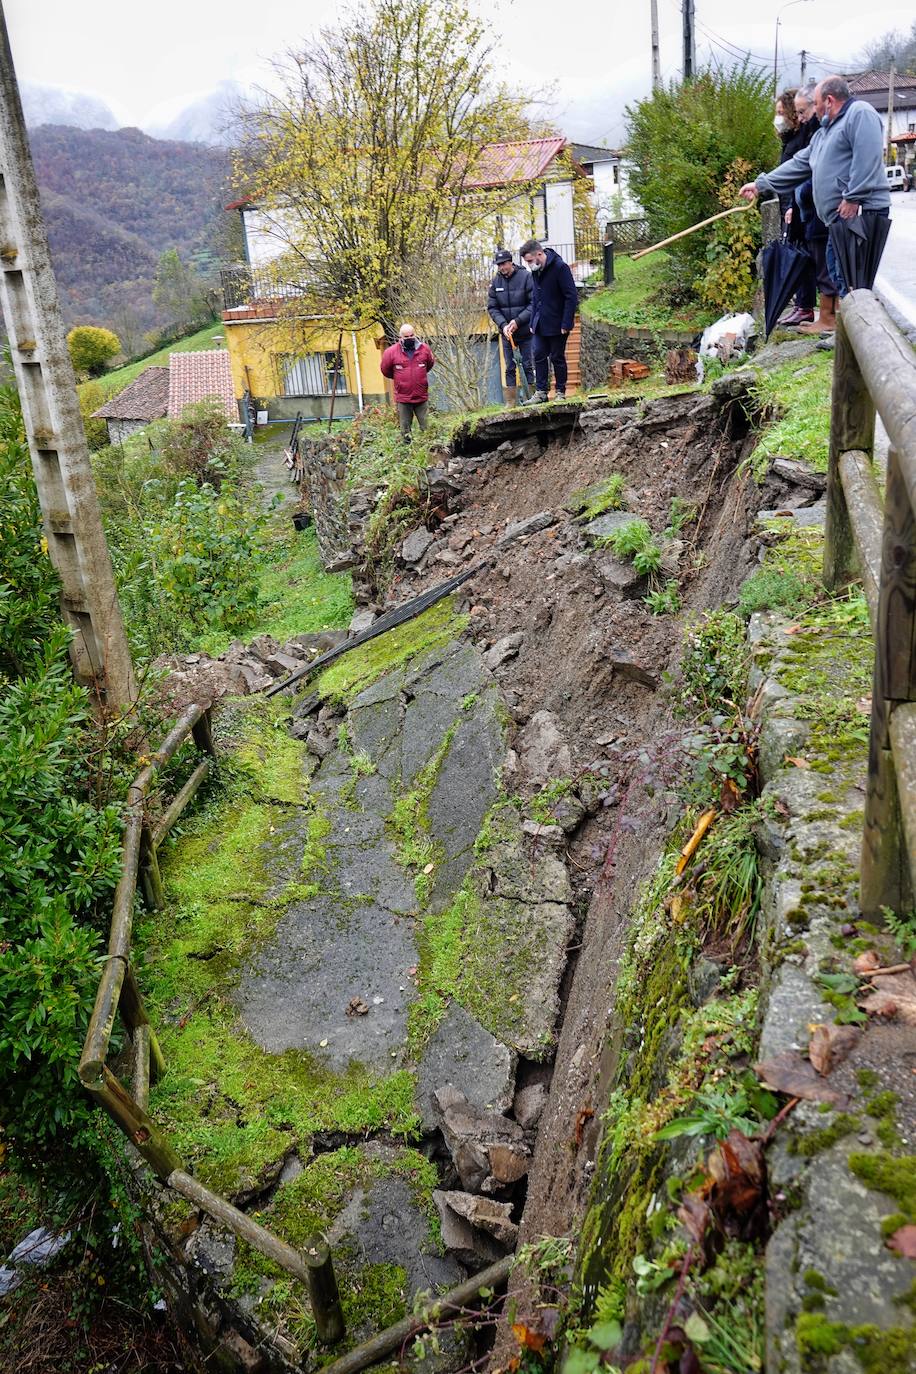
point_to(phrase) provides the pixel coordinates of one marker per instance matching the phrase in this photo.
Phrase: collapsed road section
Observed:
(388, 976)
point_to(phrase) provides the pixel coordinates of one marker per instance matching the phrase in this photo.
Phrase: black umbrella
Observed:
(858, 244)
(784, 267)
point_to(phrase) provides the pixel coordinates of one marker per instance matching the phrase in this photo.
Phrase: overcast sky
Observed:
(147, 61)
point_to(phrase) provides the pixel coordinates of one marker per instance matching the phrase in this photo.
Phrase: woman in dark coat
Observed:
(794, 135)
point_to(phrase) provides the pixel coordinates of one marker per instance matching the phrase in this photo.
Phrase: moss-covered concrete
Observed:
(360, 667)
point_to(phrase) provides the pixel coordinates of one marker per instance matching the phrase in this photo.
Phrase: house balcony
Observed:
(256, 292)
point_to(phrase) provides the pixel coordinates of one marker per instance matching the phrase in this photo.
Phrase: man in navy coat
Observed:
(552, 317)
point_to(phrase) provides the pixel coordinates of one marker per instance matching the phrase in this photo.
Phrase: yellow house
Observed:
(284, 364)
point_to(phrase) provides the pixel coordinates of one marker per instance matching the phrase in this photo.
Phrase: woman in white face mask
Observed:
(792, 136)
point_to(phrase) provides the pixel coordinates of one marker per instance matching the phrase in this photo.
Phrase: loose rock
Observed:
(503, 650)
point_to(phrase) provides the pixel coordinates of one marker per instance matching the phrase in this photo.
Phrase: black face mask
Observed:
(408, 345)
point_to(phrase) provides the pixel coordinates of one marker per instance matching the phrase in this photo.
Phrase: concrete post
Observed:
(53, 424)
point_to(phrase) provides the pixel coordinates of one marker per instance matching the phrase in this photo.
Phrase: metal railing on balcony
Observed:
(245, 287)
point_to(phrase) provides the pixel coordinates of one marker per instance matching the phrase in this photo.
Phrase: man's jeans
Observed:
(550, 349)
(524, 348)
(833, 263)
(407, 410)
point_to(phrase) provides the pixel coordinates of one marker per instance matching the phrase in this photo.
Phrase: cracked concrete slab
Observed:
(466, 788)
(322, 955)
(462, 1053)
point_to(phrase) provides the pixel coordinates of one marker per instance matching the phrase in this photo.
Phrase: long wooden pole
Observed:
(54, 428)
(735, 210)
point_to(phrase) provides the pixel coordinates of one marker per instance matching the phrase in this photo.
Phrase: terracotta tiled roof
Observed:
(876, 83)
(146, 398)
(904, 138)
(501, 164)
(196, 376)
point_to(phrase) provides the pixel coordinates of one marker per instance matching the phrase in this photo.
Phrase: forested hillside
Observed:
(113, 201)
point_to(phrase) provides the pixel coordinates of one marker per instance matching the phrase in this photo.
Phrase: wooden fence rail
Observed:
(119, 993)
(875, 369)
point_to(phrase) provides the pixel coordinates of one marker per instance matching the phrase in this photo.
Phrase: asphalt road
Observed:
(896, 283)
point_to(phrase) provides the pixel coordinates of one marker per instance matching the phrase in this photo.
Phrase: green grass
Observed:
(637, 299)
(591, 501)
(798, 394)
(297, 595)
(113, 382)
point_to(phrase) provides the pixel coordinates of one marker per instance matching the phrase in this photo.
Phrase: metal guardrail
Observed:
(875, 369)
(119, 992)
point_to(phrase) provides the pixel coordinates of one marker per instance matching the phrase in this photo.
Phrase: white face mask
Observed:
(781, 124)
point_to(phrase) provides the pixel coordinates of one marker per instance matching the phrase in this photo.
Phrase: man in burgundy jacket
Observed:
(409, 362)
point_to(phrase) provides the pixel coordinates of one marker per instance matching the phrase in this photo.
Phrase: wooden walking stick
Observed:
(736, 210)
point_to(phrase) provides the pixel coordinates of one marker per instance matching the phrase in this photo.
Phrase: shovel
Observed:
(519, 369)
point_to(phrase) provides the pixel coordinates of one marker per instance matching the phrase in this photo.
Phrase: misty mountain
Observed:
(208, 119)
(52, 105)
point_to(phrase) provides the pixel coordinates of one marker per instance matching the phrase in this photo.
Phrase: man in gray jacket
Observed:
(845, 161)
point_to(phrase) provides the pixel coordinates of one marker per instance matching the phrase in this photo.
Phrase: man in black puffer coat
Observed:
(553, 316)
(509, 307)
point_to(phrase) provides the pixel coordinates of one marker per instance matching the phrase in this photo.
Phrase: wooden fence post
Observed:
(150, 876)
(885, 868)
(852, 426)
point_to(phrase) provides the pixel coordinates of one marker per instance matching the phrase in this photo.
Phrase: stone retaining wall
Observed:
(325, 462)
(602, 342)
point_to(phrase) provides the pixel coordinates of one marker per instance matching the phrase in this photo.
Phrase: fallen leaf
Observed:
(830, 1045)
(864, 705)
(679, 906)
(894, 995)
(356, 1007)
(737, 1168)
(584, 1115)
(867, 962)
(531, 1340)
(729, 797)
(789, 1073)
(693, 1214)
(797, 761)
(323, 1044)
(428, 869)
(904, 1242)
(791, 629)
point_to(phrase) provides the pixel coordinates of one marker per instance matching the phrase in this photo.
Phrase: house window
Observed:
(312, 374)
(616, 171)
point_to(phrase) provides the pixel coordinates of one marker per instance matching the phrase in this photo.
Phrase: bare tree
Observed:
(370, 155)
(893, 46)
(444, 296)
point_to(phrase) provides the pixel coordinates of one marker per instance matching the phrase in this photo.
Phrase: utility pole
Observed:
(53, 424)
(690, 49)
(656, 60)
(804, 66)
(890, 109)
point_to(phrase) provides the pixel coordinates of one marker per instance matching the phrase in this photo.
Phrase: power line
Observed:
(732, 51)
(727, 45)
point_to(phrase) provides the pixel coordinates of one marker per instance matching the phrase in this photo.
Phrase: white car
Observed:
(897, 179)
